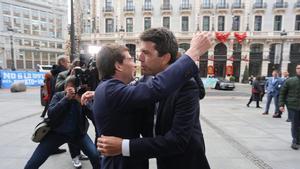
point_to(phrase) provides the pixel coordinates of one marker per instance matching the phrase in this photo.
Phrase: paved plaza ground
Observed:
(236, 137)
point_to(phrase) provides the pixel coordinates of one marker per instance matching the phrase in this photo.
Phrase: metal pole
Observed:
(72, 33)
(281, 56)
(12, 53)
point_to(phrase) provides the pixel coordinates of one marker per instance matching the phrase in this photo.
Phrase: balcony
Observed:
(297, 6)
(280, 6)
(129, 10)
(147, 9)
(166, 8)
(185, 8)
(259, 7)
(209, 7)
(108, 10)
(222, 7)
(238, 7)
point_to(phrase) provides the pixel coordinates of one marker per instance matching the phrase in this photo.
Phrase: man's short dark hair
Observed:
(165, 41)
(107, 57)
(70, 79)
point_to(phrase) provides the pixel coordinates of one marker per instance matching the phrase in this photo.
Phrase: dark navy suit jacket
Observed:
(179, 142)
(116, 105)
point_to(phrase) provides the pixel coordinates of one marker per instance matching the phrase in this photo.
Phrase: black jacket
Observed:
(58, 111)
(179, 142)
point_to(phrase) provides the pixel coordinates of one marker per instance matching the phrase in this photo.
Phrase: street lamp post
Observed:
(282, 34)
(121, 33)
(247, 28)
(13, 67)
(72, 34)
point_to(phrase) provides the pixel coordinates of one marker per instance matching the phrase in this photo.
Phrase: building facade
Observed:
(261, 35)
(32, 32)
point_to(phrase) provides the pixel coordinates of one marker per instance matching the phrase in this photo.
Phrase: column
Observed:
(245, 58)
(210, 62)
(266, 60)
(229, 55)
(285, 56)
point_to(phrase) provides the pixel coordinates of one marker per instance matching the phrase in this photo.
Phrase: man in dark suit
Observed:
(178, 141)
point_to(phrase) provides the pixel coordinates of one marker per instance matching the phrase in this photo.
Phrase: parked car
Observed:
(224, 84)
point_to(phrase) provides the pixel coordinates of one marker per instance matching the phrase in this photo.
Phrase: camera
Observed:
(86, 75)
(82, 79)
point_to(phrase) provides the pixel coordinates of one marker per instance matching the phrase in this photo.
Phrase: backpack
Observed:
(47, 92)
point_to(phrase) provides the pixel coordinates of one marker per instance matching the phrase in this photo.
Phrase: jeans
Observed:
(276, 103)
(295, 125)
(54, 140)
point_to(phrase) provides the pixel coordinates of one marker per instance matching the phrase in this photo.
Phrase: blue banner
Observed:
(7, 78)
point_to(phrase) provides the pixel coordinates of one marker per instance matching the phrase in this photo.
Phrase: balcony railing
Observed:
(222, 6)
(258, 5)
(280, 5)
(108, 9)
(207, 6)
(238, 5)
(166, 7)
(129, 8)
(147, 7)
(297, 4)
(185, 6)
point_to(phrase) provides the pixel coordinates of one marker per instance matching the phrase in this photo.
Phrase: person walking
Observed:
(256, 92)
(290, 96)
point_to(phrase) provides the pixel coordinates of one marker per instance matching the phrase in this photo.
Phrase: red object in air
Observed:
(240, 37)
(222, 37)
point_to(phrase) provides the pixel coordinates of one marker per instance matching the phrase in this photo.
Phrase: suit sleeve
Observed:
(176, 140)
(158, 87)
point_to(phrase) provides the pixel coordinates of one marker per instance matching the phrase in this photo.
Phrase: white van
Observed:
(43, 68)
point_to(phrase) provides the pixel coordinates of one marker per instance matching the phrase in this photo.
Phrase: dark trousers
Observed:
(74, 150)
(53, 140)
(295, 125)
(276, 103)
(250, 100)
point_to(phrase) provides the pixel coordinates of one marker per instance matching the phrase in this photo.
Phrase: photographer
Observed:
(68, 125)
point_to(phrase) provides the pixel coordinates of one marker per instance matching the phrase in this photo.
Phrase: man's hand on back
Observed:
(109, 146)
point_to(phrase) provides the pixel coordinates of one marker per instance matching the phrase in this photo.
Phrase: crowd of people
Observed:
(155, 117)
(285, 91)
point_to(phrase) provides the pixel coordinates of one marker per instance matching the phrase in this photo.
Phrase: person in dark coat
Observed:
(68, 125)
(262, 84)
(256, 92)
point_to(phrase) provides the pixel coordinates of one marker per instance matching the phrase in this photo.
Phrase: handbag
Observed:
(40, 131)
(255, 91)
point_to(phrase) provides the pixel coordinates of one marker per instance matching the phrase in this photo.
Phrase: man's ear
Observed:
(166, 58)
(118, 67)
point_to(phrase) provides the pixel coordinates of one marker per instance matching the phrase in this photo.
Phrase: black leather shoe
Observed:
(295, 146)
(258, 107)
(59, 151)
(277, 115)
(265, 113)
(288, 120)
